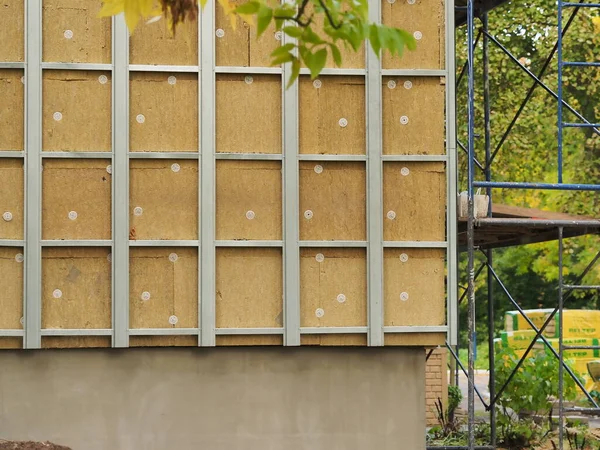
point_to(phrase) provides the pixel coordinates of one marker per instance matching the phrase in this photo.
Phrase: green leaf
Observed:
(292, 31)
(282, 59)
(317, 63)
(295, 72)
(264, 16)
(374, 39)
(282, 50)
(337, 56)
(247, 8)
(311, 37)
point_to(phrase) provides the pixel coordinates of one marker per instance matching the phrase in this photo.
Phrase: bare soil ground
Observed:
(29, 445)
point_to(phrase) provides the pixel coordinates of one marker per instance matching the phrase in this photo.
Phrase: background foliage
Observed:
(529, 30)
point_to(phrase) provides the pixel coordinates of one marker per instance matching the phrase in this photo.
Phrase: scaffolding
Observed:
(478, 31)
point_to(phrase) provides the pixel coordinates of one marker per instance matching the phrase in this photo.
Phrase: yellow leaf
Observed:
(249, 19)
(111, 8)
(202, 3)
(132, 14)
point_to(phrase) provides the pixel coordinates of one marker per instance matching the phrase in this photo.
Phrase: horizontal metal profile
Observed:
(76, 66)
(163, 331)
(11, 154)
(11, 243)
(163, 243)
(415, 244)
(247, 331)
(336, 71)
(353, 244)
(416, 329)
(249, 156)
(413, 72)
(76, 332)
(333, 330)
(248, 243)
(163, 155)
(162, 68)
(541, 186)
(311, 157)
(12, 333)
(76, 243)
(249, 70)
(12, 65)
(77, 155)
(423, 158)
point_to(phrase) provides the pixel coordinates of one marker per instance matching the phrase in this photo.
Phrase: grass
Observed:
(481, 361)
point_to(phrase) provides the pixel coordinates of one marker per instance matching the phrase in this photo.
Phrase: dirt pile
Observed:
(30, 445)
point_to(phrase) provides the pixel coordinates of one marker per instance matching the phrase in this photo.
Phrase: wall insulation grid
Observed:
(108, 235)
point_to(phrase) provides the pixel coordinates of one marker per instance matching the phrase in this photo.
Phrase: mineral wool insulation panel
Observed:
(135, 158)
(12, 93)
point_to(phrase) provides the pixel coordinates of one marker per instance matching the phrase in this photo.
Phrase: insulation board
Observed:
(328, 125)
(72, 32)
(163, 112)
(11, 198)
(155, 43)
(163, 199)
(248, 113)
(12, 120)
(76, 199)
(13, 31)
(424, 19)
(332, 201)
(76, 111)
(414, 201)
(249, 201)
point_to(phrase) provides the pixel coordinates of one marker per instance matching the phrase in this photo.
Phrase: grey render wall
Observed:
(225, 398)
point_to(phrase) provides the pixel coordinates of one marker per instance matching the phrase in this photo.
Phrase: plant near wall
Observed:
(345, 23)
(532, 391)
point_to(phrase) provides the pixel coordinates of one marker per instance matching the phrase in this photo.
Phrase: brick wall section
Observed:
(436, 382)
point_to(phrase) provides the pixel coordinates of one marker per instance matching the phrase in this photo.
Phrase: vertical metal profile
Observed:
(200, 202)
(561, 354)
(451, 177)
(291, 206)
(207, 177)
(120, 131)
(33, 169)
(374, 190)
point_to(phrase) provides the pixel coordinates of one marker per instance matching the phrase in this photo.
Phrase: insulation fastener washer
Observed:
(175, 167)
(391, 215)
(318, 168)
(317, 84)
(109, 169)
(308, 214)
(403, 257)
(140, 118)
(19, 257)
(343, 122)
(68, 34)
(341, 298)
(57, 293)
(7, 216)
(145, 296)
(418, 35)
(408, 84)
(248, 79)
(404, 296)
(102, 79)
(250, 215)
(319, 312)
(405, 171)
(320, 257)
(137, 211)
(72, 215)
(404, 120)
(220, 33)
(172, 80)
(278, 35)
(391, 84)
(173, 320)
(173, 257)
(57, 116)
